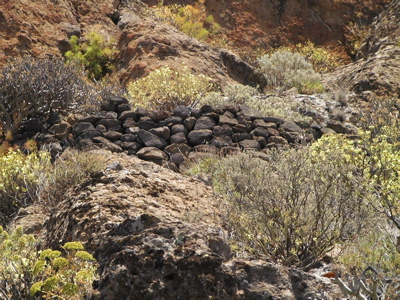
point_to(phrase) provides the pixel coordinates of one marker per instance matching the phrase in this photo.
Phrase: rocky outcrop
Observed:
(158, 235)
(378, 68)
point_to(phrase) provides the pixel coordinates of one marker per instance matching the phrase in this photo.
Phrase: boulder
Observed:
(151, 153)
(202, 136)
(205, 123)
(151, 140)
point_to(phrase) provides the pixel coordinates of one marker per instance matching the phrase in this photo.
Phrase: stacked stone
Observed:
(171, 138)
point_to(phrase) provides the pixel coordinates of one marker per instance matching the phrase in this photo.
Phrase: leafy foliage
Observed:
(165, 89)
(95, 55)
(190, 19)
(26, 272)
(33, 88)
(283, 70)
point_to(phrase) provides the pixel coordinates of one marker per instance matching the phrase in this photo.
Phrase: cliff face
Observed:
(378, 68)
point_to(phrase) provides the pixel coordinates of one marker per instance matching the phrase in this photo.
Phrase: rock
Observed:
(146, 124)
(195, 112)
(177, 158)
(171, 121)
(34, 125)
(210, 109)
(179, 128)
(81, 127)
(181, 111)
(109, 123)
(132, 147)
(261, 131)
(178, 138)
(223, 130)
(197, 137)
(162, 132)
(151, 140)
(142, 112)
(53, 118)
(112, 135)
(130, 122)
(62, 130)
(101, 128)
(252, 144)
(89, 134)
(128, 115)
(238, 137)
(189, 123)
(340, 127)
(87, 119)
(117, 100)
(204, 123)
(124, 107)
(151, 153)
(326, 130)
(108, 106)
(107, 145)
(290, 126)
(221, 142)
(228, 120)
(128, 137)
(159, 115)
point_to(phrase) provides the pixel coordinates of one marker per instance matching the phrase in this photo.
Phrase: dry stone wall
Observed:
(171, 138)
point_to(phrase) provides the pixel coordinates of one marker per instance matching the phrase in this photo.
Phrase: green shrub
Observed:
(95, 55)
(26, 272)
(165, 89)
(32, 88)
(283, 70)
(293, 208)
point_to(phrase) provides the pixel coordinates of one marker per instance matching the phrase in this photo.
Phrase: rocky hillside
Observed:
(156, 233)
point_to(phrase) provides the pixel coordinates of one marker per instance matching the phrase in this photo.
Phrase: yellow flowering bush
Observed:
(165, 89)
(25, 271)
(190, 19)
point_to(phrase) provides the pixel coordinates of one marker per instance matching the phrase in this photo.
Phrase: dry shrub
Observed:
(25, 179)
(283, 70)
(33, 88)
(293, 208)
(72, 168)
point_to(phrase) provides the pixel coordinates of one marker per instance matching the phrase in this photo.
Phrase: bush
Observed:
(25, 179)
(165, 89)
(293, 208)
(322, 60)
(19, 179)
(33, 88)
(26, 272)
(284, 70)
(190, 19)
(94, 54)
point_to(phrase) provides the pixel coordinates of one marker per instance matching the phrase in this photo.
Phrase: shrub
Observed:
(322, 60)
(70, 169)
(26, 272)
(284, 70)
(95, 55)
(165, 89)
(293, 208)
(28, 178)
(33, 88)
(190, 19)
(19, 179)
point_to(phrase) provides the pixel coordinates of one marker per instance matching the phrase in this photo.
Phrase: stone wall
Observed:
(171, 138)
